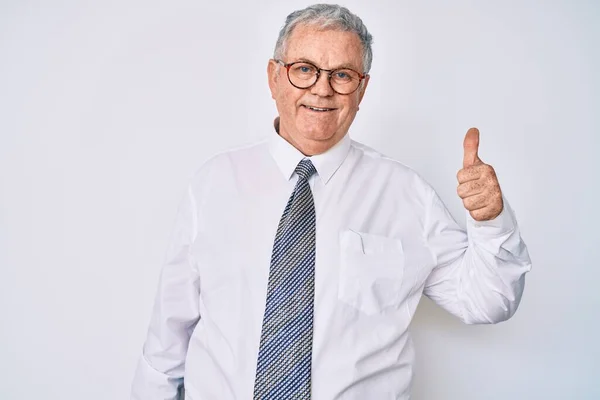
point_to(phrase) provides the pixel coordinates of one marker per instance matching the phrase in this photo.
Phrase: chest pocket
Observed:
(371, 271)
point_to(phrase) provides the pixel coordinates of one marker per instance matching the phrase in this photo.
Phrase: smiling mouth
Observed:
(318, 109)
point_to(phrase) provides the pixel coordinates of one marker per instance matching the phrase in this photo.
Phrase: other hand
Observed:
(478, 185)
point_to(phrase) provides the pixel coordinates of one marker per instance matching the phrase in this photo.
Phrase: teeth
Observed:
(319, 109)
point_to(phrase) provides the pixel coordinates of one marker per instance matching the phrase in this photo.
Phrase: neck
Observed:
(310, 148)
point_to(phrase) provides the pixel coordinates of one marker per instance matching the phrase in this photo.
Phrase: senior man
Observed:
(297, 263)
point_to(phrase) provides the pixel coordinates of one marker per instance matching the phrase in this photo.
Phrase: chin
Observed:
(318, 134)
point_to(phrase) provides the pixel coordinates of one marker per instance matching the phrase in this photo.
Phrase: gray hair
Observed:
(327, 16)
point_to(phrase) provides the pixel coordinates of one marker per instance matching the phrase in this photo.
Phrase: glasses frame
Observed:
(319, 70)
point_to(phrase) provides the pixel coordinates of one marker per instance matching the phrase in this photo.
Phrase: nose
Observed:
(322, 86)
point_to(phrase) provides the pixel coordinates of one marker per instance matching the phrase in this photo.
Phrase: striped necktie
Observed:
(284, 358)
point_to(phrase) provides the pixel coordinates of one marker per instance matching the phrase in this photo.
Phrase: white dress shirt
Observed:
(383, 238)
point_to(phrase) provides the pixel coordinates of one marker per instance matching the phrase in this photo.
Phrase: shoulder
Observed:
(377, 162)
(232, 158)
(223, 166)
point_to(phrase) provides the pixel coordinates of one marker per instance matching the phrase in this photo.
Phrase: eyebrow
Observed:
(342, 66)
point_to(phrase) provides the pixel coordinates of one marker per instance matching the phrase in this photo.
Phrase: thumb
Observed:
(471, 146)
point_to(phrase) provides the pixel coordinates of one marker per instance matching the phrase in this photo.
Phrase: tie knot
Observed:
(305, 169)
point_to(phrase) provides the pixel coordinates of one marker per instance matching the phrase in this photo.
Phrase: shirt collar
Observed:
(287, 157)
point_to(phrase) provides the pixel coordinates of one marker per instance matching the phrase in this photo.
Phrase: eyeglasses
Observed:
(304, 75)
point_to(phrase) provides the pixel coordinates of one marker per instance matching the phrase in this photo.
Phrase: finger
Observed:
(487, 213)
(483, 214)
(471, 148)
(471, 173)
(476, 202)
(470, 188)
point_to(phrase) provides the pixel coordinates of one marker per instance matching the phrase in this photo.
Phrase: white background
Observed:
(108, 107)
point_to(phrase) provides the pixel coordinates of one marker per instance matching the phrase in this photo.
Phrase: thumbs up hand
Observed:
(478, 185)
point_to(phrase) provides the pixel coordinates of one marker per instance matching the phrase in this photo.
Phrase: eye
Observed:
(344, 76)
(304, 69)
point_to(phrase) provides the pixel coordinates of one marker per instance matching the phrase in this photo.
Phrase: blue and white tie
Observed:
(284, 358)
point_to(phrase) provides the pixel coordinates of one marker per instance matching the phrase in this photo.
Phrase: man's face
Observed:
(314, 132)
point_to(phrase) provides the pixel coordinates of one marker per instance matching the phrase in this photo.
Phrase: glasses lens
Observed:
(345, 81)
(302, 75)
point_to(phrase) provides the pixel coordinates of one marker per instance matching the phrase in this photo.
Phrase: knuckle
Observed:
(481, 200)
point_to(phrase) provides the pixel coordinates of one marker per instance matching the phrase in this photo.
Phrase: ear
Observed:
(273, 76)
(361, 91)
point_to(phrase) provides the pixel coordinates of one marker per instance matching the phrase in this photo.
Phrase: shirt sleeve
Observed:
(479, 275)
(160, 370)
